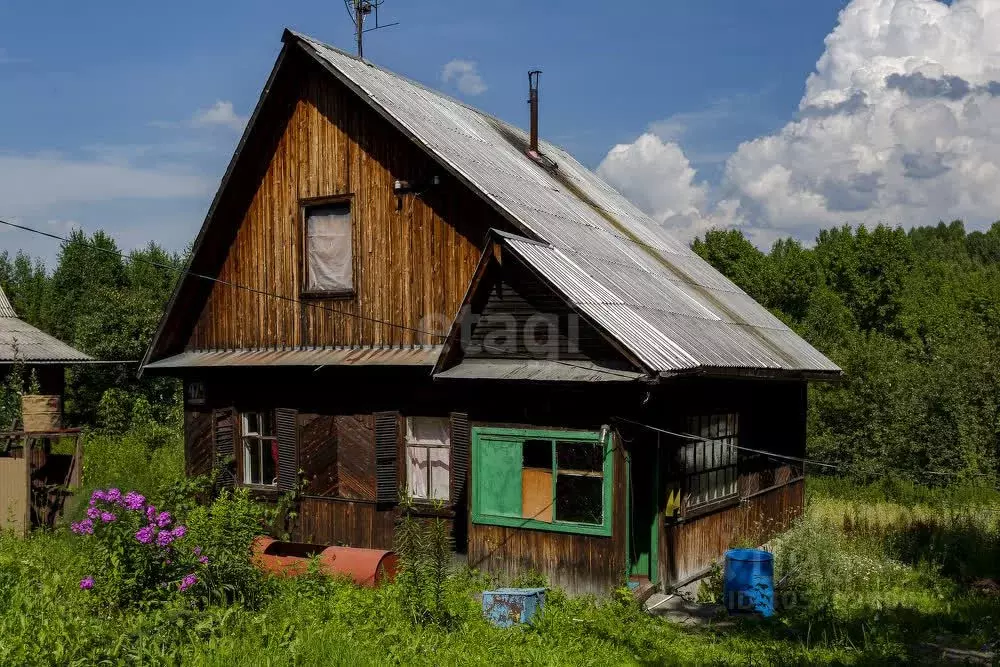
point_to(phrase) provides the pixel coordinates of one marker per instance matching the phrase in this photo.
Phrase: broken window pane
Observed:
(580, 456)
(579, 499)
(329, 265)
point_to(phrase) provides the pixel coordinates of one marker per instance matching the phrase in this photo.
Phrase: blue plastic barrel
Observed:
(748, 587)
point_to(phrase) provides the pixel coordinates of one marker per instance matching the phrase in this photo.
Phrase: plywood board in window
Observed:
(536, 494)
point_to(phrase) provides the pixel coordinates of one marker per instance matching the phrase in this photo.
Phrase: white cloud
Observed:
(40, 184)
(465, 74)
(220, 113)
(897, 124)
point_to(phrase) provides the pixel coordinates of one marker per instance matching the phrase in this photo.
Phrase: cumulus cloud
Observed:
(897, 124)
(465, 75)
(220, 113)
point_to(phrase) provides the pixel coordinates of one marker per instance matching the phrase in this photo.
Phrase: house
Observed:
(41, 354)
(395, 291)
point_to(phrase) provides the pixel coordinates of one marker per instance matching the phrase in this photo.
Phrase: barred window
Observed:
(709, 464)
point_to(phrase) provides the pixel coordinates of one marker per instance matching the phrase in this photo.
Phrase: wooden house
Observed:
(395, 292)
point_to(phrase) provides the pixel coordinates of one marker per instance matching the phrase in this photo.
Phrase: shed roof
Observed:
(648, 290)
(21, 341)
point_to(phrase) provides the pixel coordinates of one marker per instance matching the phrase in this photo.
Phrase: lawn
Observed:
(871, 575)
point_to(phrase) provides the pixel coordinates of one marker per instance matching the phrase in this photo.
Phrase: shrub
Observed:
(139, 554)
(424, 546)
(226, 529)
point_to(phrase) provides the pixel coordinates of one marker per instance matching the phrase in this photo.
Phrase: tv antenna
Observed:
(359, 10)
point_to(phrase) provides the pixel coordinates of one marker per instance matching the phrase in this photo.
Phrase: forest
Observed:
(913, 318)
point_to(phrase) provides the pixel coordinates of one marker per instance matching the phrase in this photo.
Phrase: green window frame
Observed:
(497, 472)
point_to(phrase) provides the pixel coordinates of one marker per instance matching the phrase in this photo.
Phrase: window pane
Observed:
(582, 456)
(252, 425)
(269, 461)
(428, 431)
(537, 454)
(253, 460)
(579, 499)
(417, 464)
(267, 423)
(329, 267)
(439, 459)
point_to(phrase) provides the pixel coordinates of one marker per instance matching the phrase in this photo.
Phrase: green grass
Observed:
(872, 574)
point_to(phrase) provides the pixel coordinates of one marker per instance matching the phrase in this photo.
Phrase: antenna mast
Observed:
(359, 10)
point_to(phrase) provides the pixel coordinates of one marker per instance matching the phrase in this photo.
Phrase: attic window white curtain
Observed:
(329, 257)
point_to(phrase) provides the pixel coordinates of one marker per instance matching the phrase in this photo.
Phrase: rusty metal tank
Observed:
(365, 567)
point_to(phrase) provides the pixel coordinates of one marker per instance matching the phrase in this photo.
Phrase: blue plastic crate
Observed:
(505, 607)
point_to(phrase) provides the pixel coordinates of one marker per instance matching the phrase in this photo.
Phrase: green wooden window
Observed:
(546, 480)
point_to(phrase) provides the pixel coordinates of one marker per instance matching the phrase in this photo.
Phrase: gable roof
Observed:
(650, 292)
(21, 341)
(659, 300)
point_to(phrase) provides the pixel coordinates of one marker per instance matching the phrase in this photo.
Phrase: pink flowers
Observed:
(188, 581)
(134, 501)
(145, 535)
(85, 527)
(135, 536)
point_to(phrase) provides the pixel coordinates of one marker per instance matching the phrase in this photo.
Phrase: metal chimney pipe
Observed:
(533, 103)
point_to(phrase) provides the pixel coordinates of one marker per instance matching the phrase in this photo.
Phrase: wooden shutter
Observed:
(459, 455)
(224, 439)
(386, 449)
(287, 430)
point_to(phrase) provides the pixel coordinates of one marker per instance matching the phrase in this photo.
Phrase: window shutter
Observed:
(286, 427)
(386, 449)
(224, 437)
(459, 455)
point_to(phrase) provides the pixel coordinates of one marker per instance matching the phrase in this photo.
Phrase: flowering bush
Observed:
(139, 554)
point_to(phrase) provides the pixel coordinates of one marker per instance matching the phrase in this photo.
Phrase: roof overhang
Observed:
(536, 370)
(421, 356)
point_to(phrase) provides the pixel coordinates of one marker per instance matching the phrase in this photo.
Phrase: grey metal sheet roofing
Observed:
(6, 310)
(648, 290)
(421, 355)
(33, 345)
(535, 370)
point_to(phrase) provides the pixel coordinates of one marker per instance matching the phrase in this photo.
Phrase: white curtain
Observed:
(329, 265)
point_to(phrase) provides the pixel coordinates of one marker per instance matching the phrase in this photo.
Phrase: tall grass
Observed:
(869, 574)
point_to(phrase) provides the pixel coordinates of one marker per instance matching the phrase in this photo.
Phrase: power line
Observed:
(836, 466)
(253, 290)
(247, 288)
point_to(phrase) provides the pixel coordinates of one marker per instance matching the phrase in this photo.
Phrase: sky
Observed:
(777, 117)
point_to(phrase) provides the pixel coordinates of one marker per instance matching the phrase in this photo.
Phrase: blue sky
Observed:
(117, 115)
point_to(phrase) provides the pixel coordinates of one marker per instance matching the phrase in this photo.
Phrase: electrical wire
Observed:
(836, 466)
(253, 290)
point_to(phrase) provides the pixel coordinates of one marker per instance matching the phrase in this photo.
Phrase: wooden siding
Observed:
(197, 442)
(345, 522)
(510, 305)
(577, 563)
(318, 453)
(687, 549)
(412, 265)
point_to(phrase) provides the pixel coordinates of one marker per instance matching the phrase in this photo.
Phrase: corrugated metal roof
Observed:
(648, 290)
(424, 355)
(536, 370)
(21, 341)
(6, 310)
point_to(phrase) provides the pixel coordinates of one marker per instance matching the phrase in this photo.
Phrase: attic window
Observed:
(328, 252)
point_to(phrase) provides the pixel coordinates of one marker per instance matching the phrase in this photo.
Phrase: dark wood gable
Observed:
(313, 137)
(512, 314)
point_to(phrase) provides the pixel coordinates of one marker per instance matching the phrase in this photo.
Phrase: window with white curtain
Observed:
(328, 249)
(428, 458)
